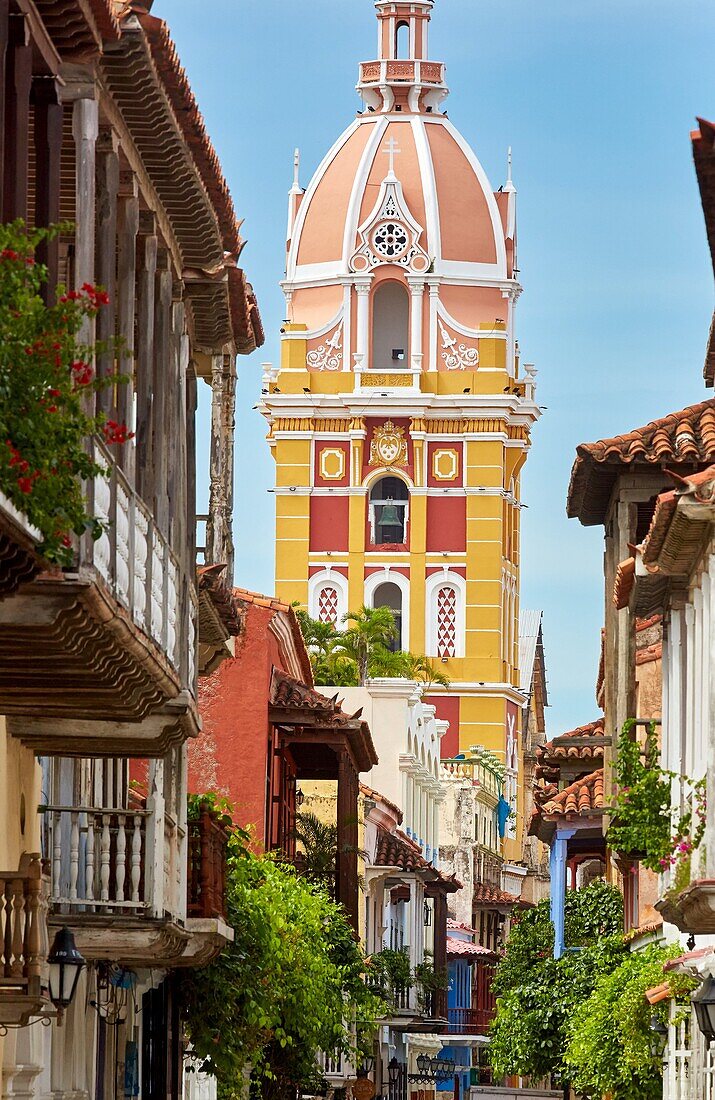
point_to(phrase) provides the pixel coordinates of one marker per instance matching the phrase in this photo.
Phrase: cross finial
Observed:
(392, 148)
(508, 163)
(296, 168)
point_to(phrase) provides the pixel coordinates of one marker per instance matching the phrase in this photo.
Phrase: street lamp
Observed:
(704, 1004)
(393, 1071)
(658, 1037)
(66, 964)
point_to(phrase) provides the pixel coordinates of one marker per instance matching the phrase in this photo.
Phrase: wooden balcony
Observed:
(100, 659)
(470, 1021)
(693, 909)
(23, 943)
(119, 878)
(19, 561)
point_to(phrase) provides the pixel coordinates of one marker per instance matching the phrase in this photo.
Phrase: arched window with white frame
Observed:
(445, 615)
(328, 597)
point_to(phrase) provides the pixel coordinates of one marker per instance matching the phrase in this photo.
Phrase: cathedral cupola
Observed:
(402, 78)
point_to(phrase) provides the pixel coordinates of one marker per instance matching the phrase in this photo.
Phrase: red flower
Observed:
(8, 254)
(54, 393)
(24, 484)
(83, 373)
(66, 541)
(71, 296)
(116, 433)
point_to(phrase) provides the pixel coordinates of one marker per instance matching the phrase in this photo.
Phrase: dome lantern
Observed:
(402, 78)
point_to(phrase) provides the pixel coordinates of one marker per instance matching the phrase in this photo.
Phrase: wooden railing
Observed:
(23, 933)
(469, 1021)
(136, 563)
(208, 849)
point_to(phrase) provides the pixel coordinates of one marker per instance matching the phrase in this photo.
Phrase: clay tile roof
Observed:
(255, 599)
(375, 796)
(77, 30)
(398, 850)
(649, 654)
(689, 960)
(583, 797)
(704, 156)
(563, 749)
(623, 584)
(456, 926)
(211, 582)
(646, 624)
(465, 950)
(681, 524)
(485, 895)
(192, 123)
(687, 437)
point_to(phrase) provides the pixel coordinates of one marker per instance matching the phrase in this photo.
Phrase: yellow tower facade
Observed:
(400, 416)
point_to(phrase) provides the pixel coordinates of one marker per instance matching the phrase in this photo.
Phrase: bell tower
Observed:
(400, 415)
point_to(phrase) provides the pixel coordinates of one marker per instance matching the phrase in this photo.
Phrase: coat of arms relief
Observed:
(388, 446)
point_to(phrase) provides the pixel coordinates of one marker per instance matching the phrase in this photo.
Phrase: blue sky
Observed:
(597, 100)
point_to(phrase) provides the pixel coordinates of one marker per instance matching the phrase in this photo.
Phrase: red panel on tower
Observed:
(329, 523)
(446, 524)
(332, 464)
(448, 711)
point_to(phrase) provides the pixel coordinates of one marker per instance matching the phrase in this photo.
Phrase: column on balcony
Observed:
(558, 859)
(160, 426)
(219, 538)
(347, 859)
(147, 251)
(85, 130)
(18, 84)
(438, 891)
(127, 230)
(107, 159)
(47, 121)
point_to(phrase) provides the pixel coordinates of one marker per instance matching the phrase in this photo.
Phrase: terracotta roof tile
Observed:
(681, 523)
(649, 654)
(255, 599)
(211, 582)
(485, 894)
(646, 624)
(689, 960)
(368, 792)
(465, 950)
(687, 437)
(582, 797)
(456, 926)
(398, 850)
(623, 585)
(559, 750)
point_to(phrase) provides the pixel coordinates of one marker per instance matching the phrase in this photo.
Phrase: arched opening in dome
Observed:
(390, 327)
(389, 595)
(402, 42)
(389, 501)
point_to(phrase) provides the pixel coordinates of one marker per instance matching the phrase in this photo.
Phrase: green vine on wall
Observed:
(643, 824)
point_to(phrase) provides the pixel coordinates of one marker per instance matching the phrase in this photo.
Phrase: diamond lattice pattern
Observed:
(328, 606)
(446, 622)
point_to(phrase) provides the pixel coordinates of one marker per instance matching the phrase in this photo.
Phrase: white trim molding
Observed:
(445, 578)
(328, 578)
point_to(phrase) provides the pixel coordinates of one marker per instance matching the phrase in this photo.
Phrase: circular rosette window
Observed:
(390, 240)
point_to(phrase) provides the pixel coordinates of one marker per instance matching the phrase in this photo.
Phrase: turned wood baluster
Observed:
(104, 846)
(18, 906)
(136, 865)
(74, 854)
(5, 915)
(205, 865)
(121, 855)
(57, 854)
(33, 923)
(89, 857)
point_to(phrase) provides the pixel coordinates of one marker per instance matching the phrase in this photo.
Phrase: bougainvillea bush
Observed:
(46, 385)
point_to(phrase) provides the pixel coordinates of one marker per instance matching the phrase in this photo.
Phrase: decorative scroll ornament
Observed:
(390, 235)
(329, 355)
(457, 356)
(388, 446)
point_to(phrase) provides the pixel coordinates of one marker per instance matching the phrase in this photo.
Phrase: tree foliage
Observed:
(609, 1036)
(348, 658)
(46, 376)
(287, 988)
(537, 994)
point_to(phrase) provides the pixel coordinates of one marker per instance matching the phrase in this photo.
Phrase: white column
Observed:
(347, 326)
(710, 829)
(417, 290)
(362, 354)
(85, 130)
(433, 300)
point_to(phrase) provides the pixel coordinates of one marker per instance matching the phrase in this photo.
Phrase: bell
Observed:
(390, 515)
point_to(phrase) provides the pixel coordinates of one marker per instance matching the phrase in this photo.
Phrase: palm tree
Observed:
(371, 627)
(424, 670)
(320, 846)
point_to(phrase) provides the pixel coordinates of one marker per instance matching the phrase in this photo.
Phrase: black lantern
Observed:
(658, 1037)
(66, 964)
(423, 1062)
(299, 798)
(704, 1004)
(393, 1071)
